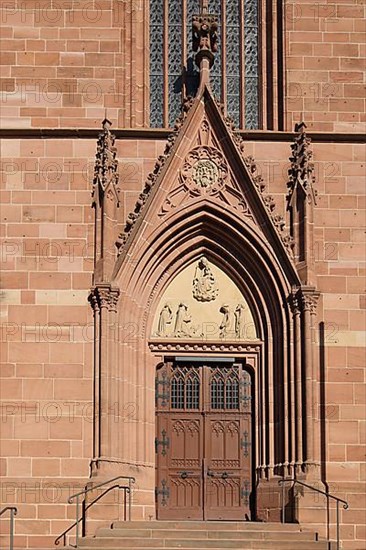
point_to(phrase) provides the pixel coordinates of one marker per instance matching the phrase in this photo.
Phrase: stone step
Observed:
(207, 534)
(208, 525)
(200, 544)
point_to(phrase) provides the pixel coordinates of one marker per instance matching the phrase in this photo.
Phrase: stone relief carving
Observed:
(239, 320)
(227, 326)
(204, 285)
(204, 171)
(165, 319)
(183, 320)
(203, 303)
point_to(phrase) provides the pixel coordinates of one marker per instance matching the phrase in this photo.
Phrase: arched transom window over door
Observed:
(236, 76)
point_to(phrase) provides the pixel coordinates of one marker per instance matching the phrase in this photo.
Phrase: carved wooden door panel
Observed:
(227, 444)
(179, 443)
(203, 442)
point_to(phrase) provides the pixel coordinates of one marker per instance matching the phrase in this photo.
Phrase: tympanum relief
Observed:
(203, 303)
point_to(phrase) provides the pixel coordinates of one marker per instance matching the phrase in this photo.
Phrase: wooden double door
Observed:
(203, 441)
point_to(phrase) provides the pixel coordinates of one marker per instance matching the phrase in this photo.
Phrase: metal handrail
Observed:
(13, 513)
(325, 493)
(85, 508)
(76, 496)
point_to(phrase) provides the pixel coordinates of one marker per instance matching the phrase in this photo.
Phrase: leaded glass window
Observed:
(235, 75)
(185, 388)
(224, 388)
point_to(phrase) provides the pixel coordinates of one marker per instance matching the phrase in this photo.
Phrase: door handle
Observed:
(184, 475)
(224, 475)
(210, 473)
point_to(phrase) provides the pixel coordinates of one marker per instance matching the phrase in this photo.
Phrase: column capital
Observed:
(104, 297)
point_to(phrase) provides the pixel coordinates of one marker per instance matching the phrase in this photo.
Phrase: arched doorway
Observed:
(204, 439)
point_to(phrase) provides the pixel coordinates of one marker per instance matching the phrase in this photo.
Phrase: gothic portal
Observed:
(206, 317)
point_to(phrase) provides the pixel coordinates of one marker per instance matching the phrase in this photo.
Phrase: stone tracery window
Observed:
(236, 76)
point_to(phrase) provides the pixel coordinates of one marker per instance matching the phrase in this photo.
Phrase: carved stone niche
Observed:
(203, 303)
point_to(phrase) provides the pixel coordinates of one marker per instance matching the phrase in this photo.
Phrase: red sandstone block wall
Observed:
(325, 63)
(46, 371)
(63, 63)
(63, 67)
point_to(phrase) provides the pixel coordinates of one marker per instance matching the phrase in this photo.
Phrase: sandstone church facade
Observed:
(182, 288)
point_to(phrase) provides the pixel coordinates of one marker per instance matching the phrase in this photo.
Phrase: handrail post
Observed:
(338, 547)
(77, 522)
(12, 528)
(129, 498)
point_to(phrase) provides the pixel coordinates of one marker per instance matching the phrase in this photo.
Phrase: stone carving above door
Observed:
(215, 309)
(204, 284)
(204, 171)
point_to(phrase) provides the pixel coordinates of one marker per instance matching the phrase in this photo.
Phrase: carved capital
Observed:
(104, 297)
(309, 300)
(294, 303)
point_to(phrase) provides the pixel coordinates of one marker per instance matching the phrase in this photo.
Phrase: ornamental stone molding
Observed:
(227, 347)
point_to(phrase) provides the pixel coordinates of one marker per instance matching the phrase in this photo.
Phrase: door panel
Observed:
(203, 442)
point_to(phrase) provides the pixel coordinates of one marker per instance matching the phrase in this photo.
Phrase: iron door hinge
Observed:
(164, 492)
(163, 442)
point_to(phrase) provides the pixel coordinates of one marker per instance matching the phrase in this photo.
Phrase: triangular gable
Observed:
(203, 160)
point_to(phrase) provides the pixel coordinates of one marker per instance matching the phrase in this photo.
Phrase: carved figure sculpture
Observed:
(165, 319)
(182, 320)
(227, 327)
(204, 284)
(239, 320)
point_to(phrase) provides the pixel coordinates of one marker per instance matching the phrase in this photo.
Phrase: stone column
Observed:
(309, 297)
(104, 300)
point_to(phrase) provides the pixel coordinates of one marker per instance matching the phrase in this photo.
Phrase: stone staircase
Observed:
(219, 535)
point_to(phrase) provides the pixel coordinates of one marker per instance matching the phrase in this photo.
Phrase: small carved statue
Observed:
(182, 321)
(227, 327)
(205, 33)
(239, 320)
(204, 284)
(165, 319)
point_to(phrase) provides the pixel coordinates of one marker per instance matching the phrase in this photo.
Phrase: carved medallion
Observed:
(204, 171)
